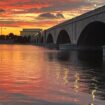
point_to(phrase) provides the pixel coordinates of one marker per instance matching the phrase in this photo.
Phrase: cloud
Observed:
(2, 11)
(64, 6)
(37, 12)
(44, 5)
(50, 16)
(59, 15)
(46, 16)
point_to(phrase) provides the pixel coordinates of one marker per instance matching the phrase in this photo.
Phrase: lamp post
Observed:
(2, 30)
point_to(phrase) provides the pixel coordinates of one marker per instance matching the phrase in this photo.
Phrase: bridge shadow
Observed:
(81, 57)
(92, 57)
(89, 64)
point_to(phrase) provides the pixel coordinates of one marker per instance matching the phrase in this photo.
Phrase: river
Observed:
(31, 75)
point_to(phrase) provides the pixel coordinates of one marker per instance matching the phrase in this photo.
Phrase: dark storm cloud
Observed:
(46, 16)
(50, 16)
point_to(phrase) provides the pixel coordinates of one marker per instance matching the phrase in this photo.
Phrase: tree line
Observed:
(15, 38)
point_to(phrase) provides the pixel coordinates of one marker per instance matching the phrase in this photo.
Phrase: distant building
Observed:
(30, 32)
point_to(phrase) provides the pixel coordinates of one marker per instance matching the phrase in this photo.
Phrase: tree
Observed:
(11, 35)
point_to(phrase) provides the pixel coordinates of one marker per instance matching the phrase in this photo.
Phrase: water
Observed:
(31, 75)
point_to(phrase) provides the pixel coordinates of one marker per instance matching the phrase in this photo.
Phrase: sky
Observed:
(18, 14)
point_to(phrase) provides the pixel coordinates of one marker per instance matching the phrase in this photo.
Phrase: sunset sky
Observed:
(18, 14)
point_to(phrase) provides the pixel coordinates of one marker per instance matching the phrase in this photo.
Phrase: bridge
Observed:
(85, 30)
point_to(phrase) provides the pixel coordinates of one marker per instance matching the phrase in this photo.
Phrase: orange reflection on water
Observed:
(93, 97)
(26, 71)
(20, 69)
(30, 74)
(65, 78)
(94, 91)
(76, 83)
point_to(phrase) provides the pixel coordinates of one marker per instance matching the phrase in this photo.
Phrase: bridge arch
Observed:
(92, 35)
(50, 39)
(63, 37)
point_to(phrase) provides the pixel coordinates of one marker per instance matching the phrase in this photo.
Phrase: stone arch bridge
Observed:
(85, 30)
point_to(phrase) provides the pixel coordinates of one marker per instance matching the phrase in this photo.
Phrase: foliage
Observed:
(15, 38)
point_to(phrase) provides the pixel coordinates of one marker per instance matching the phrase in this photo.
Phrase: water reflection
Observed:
(91, 57)
(36, 76)
(77, 83)
(93, 97)
(65, 78)
(88, 71)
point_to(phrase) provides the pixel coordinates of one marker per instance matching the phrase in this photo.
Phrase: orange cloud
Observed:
(41, 13)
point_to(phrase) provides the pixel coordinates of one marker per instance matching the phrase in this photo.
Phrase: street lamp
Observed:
(2, 30)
